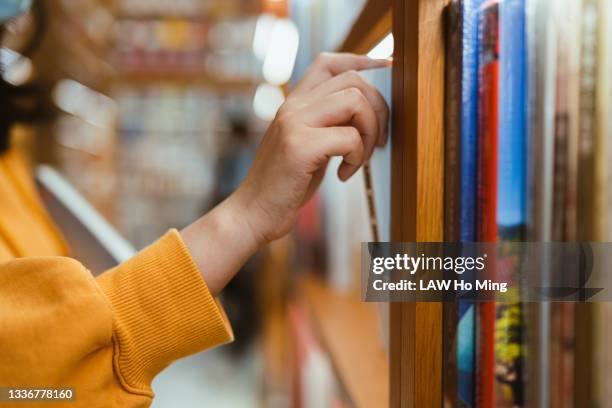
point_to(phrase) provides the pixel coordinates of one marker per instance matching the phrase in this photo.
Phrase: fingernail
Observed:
(345, 171)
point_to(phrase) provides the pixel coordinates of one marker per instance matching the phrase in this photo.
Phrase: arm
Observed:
(108, 337)
(163, 299)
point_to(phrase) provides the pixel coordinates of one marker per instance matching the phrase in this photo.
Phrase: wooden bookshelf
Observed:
(417, 170)
(350, 332)
(417, 191)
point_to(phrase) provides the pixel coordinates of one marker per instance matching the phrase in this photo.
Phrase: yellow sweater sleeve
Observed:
(107, 337)
(162, 311)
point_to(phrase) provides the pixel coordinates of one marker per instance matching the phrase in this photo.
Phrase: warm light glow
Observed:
(263, 33)
(282, 50)
(79, 100)
(384, 49)
(268, 98)
(18, 69)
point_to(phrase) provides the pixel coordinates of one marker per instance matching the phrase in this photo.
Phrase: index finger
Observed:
(328, 65)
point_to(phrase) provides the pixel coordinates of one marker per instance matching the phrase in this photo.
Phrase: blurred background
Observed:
(152, 110)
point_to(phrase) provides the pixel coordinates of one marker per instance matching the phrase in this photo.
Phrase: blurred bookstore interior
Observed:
(152, 111)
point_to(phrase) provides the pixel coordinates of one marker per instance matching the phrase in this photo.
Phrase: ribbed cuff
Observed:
(162, 311)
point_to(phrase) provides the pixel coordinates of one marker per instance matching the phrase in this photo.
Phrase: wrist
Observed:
(243, 203)
(221, 242)
(243, 214)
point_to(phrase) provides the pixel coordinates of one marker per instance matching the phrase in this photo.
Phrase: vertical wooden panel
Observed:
(417, 189)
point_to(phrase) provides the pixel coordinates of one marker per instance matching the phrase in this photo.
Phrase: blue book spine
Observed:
(466, 330)
(511, 164)
(511, 212)
(469, 120)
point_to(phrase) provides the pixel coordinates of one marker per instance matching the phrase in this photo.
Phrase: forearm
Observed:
(221, 242)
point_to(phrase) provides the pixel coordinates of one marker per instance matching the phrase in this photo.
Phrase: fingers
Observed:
(345, 107)
(350, 79)
(328, 65)
(342, 141)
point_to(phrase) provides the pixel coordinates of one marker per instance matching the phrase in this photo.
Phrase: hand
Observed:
(332, 112)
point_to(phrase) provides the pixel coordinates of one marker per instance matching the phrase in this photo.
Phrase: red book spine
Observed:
(487, 189)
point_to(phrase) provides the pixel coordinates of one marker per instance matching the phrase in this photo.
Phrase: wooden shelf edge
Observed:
(349, 331)
(374, 21)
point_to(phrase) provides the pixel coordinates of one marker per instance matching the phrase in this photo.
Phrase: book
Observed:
(566, 120)
(488, 121)
(510, 211)
(541, 80)
(603, 311)
(452, 180)
(588, 195)
(466, 329)
(452, 121)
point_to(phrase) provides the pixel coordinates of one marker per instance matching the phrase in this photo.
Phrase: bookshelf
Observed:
(421, 334)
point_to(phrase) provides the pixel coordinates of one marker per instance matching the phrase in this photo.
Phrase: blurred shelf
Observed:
(349, 331)
(181, 78)
(371, 25)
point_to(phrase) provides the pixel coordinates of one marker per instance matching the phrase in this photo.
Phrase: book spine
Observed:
(452, 176)
(587, 197)
(466, 328)
(542, 79)
(511, 195)
(487, 187)
(588, 95)
(567, 31)
(469, 120)
(452, 191)
(605, 127)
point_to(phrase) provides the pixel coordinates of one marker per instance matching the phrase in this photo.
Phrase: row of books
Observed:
(186, 45)
(528, 126)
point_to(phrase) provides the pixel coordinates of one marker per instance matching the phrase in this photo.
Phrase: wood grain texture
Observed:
(371, 25)
(417, 191)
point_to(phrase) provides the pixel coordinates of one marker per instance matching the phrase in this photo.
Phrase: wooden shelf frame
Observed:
(417, 171)
(417, 191)
(372, 24)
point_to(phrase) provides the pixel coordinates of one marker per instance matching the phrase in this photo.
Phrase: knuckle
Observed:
(354, 94)
(351, 92)
(353, 77)
(322, 58)
(354, 138)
